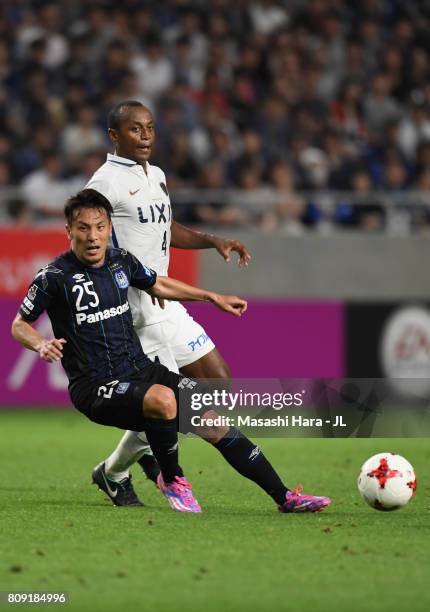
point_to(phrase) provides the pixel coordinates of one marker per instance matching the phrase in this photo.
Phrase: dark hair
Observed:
(87, 198)
(115, 113)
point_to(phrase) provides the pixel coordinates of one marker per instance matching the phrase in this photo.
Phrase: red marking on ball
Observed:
(413, 485)
(383, 472)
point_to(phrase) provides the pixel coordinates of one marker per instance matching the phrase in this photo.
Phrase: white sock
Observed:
(130, 449)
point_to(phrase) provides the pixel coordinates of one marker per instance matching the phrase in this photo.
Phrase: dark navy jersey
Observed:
(89, 308)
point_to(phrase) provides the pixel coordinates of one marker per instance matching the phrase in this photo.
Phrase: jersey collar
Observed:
(121, 161)
(83, 266)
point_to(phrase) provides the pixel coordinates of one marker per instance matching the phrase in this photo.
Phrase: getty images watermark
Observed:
(307, 408)
(230, 401)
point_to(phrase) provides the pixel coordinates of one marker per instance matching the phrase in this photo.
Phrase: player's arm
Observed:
(24, 332)
(39, 296)
(172, 289)
(186, 238)
(167, 288)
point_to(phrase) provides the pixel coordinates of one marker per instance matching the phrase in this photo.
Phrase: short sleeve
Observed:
(141, 276)
(104, 187)
(40, 293)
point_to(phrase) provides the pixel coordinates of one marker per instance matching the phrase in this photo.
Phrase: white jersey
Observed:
(141, 221)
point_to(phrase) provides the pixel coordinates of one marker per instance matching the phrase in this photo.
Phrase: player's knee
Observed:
(159, 403)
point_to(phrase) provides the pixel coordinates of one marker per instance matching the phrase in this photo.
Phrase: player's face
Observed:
(89, 234)
(135, 136)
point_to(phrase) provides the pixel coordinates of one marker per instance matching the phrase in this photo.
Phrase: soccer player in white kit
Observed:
(143, 224)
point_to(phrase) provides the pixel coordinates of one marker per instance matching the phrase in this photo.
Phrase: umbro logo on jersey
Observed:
(79, 277)
(132, 193)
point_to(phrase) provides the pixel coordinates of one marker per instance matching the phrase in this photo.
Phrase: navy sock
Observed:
(247, 459)
(162, 436)
(149, 465)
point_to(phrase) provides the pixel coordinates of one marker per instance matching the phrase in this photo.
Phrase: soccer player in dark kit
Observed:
(111, 380)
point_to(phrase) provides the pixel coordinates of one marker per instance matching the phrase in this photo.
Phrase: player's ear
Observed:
(113, 136)
(69, 235)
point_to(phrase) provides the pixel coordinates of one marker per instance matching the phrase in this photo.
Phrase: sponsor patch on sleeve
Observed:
(29, 305)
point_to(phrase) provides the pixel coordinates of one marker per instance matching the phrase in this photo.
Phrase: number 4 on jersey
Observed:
(161, 217)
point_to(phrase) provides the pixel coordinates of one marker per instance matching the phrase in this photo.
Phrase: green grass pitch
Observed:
(57, 533)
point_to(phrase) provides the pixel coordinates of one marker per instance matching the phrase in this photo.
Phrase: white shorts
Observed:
(177, 340)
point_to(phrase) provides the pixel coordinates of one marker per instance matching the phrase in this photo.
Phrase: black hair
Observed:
(115, 114)
(87, 198)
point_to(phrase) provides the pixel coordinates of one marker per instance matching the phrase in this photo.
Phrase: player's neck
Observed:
(143, 164)
(87, 264)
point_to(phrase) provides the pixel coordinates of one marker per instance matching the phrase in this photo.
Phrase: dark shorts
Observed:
(119, 403)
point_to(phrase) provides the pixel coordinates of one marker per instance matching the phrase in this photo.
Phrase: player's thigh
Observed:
(126, 404)
(210, 366)
(119, 403)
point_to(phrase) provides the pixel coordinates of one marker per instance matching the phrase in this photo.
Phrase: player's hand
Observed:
(159, 301)
(225, 247)
(230, 303)
(51, 350)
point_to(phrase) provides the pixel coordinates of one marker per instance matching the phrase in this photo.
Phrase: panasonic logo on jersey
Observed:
(101, 315)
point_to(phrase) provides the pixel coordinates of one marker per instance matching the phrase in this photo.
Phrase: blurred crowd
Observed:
(282, 100)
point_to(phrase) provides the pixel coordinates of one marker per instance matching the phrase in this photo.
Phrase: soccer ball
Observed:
(387, 481)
